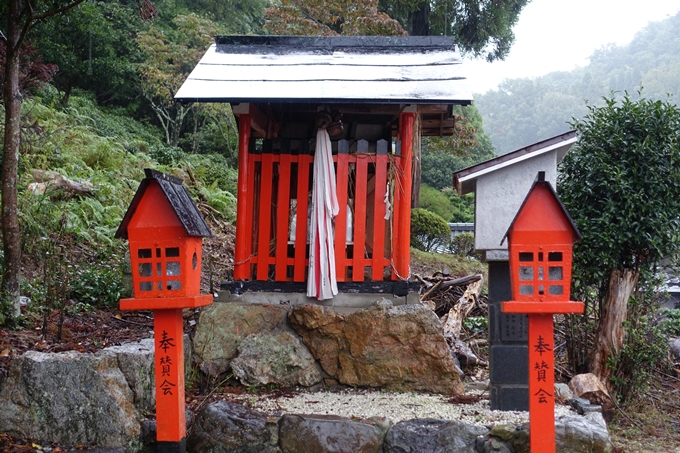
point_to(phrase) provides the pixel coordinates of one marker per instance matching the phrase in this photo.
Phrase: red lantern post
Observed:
(165, 232)
(540, 241)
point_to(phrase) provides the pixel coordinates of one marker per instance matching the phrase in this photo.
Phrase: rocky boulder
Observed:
(135, 361)
(433, 436)
(400, 348)
(328, 434)
(278, 358)
(231, 428)
(69, 398)
(223, 326)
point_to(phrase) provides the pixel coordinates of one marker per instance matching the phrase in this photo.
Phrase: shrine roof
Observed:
(329, 69)
(178, 197)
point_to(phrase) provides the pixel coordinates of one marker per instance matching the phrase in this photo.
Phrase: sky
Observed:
(560, 35)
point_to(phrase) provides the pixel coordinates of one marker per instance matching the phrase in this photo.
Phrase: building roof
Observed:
(464, 180)
(329, 69)
(178, 197)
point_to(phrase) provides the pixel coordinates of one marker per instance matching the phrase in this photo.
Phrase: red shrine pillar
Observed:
(243, 245)
(401, 252)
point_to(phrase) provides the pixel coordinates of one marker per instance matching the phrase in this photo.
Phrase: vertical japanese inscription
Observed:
(165, 363)
(542, 368)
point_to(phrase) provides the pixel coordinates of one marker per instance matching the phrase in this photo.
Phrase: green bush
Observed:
(463, 244)
(428, 230)
(435, 201)
(99, 285)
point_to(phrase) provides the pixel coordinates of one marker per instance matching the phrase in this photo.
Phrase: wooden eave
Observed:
(465, 180)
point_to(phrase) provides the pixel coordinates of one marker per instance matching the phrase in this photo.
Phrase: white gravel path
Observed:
(362, 403)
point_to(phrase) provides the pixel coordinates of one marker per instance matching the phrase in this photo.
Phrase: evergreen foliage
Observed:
(428, 230)
(621, 185)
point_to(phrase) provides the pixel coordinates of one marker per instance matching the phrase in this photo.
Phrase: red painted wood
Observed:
(264, 218)
(299, 274)
(402, 249)
(249, 235)
(541, 384)
(158, 303)
(361, 179)
(521, 307)
(243, 233)
(378, 262)
(169, 368)
(341, 178)
(282, 217)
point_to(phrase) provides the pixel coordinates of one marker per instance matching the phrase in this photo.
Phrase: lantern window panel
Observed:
(540, 256)
(555, 273)
(145, 286)
(554, 256)
(526, 256)
(172, 252)
(173, 285)
(144, 253)
(541, 290)
(555, 290)
(194, 261)
(540, 272)
(526, 273)
(145, 270)
(158, 252)
(526, 290)
(172, 268)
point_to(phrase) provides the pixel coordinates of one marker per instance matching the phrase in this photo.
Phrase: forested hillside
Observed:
(524, 111)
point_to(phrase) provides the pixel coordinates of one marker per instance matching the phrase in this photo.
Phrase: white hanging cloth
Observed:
(321, 281)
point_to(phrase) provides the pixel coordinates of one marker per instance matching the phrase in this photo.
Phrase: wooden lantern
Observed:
(540, 241)
(165, 233)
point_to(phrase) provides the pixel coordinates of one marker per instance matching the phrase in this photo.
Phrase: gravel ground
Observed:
(362, 403)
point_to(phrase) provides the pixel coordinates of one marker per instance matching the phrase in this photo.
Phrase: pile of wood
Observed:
(453, 300)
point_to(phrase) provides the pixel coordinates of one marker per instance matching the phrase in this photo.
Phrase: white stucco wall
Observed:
(499, 195)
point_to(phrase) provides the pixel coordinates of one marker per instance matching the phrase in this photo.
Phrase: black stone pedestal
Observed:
(509, 354)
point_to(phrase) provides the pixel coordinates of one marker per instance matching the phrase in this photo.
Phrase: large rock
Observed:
(400, 348)
(573, 434)
(433, 436)
(674, 346)
(69, 398)
(224, 427)
(321, 330)
(328, 434)
(135, 361)
(278, 358)
(223, 326)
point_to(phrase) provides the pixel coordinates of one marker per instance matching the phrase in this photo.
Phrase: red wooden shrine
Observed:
(165, 230)
(274, 182)
(540, 242)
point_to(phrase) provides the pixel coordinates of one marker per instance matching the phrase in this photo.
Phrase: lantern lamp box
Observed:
(165, 233)
(540, 243)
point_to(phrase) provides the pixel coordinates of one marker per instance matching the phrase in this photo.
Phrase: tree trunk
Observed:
(10, 162)
(609, 335)
(420, 20)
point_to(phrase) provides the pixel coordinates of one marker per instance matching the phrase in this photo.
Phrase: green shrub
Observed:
(463, 244)
(435, 201)
(99, 285)
(428, 230)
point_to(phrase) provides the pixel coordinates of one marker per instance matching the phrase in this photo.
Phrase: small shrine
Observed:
(328, 130)
(165, 232)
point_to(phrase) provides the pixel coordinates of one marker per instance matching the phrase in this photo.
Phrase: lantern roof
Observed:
(178, 197)
(566, 218)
